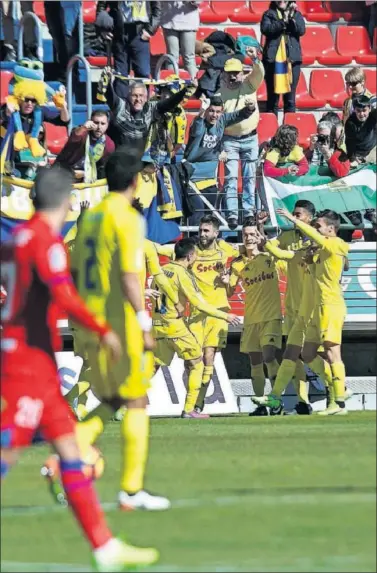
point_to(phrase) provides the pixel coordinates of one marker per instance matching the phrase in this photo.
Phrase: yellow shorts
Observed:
(186, 346)
(297, 332)
(130, 377)
(289, 320)
(327, 324)
(256, 336)
(209, 331)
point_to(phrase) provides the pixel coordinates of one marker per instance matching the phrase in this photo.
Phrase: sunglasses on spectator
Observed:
(30, 100)
(353, 84)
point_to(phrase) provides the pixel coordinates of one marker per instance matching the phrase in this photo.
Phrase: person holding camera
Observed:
(282, 25)
(325, 149)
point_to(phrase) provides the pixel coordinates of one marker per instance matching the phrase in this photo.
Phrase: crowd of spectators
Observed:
(225, 129)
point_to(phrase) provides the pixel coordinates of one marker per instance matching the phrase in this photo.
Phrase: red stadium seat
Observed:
(192, 104)
(305, 123)
(329, 85)
(204, 32)
(349, 11)
(5, 78)
(353, 41)
(227, 9)
(39, 10)
(237, 31)
(243, 15)
(371, 79)
(209, 16)
(89, 12)
(259, 7)
(318, 44)
(315, 11)
(56, 137)
(182, 74)
(157, 43)
(99, 61)
(304, 99)
(267, 127)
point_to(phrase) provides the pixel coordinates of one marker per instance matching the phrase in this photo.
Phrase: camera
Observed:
(323, 139)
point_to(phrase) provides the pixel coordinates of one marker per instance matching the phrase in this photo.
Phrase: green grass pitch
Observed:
(269, 494)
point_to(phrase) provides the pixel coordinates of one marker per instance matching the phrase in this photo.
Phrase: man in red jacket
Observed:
(35, 275)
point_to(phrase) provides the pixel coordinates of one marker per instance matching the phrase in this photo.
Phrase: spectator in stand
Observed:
(20, 161)
(134, 23)
(240, 141)
(325, 149)
(132, 117)
(372, 17)
(180, 22)
(361, 132)
(282, 25)
(203, 149)
(355, 82)
(62, 20)
(8, 40)
(88, 148)
(285, 149)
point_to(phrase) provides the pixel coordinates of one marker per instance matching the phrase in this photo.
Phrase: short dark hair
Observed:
(52, 186)
(249, 222)
(122, 166)
(362, 101)
(217, 101)
(331, 217)
(210, 220)
(184, 247)
(100, 112)
(307, 205)
(332, 117)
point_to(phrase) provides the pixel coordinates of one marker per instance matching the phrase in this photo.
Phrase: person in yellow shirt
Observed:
(296, 242)
(172, 332)
(261, 338)
(329, 313)
(109, 265)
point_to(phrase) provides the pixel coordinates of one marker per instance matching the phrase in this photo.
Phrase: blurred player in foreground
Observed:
(35, 275)
(109, 267)
(262, 332)
(172, 332)
(329, 306)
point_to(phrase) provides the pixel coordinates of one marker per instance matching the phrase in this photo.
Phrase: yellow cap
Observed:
(233, 65)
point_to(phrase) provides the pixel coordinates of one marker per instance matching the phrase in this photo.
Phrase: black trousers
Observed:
(289, 99)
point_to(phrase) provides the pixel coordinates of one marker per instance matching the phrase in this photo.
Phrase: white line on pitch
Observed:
(233, 500)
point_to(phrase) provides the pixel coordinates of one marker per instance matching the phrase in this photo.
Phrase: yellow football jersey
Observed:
(207, 269)
(260, 280)
(293, 241)
(110, 242)
(164, 313)
(308, 292)
(329, 265)
(154, 269)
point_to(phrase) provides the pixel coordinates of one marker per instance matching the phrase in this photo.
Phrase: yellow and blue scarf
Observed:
(283, 67)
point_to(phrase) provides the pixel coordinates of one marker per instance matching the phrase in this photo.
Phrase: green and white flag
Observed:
(356, 192)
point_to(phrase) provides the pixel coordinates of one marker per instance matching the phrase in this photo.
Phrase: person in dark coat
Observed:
(282, 18)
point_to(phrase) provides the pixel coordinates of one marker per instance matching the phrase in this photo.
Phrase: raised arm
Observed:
(154, 269)
(196, 300)
(277, 252)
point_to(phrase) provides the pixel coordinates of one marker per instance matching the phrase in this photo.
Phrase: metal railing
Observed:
(165, 59)
(86, 65)
(38, 33)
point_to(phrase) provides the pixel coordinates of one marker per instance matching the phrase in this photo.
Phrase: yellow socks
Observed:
(258, 379)
(194, 383)
(272, 370)
(77, 390)
(135, 438)
(299, 382)
(322, 368)
(284, 376)
(88, 431)
(339, 380)
(206, 379)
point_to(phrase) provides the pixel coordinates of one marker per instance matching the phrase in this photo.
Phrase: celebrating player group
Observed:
(103, 293)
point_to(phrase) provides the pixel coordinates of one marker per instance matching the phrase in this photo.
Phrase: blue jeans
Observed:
(245, 150)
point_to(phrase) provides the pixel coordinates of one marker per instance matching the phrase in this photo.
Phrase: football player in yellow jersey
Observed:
(262, 333)
(329, 306)
(295, 240)
(109, 264)
(210, 265)
(172, 332)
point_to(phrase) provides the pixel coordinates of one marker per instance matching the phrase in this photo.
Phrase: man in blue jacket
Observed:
(203, 150)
